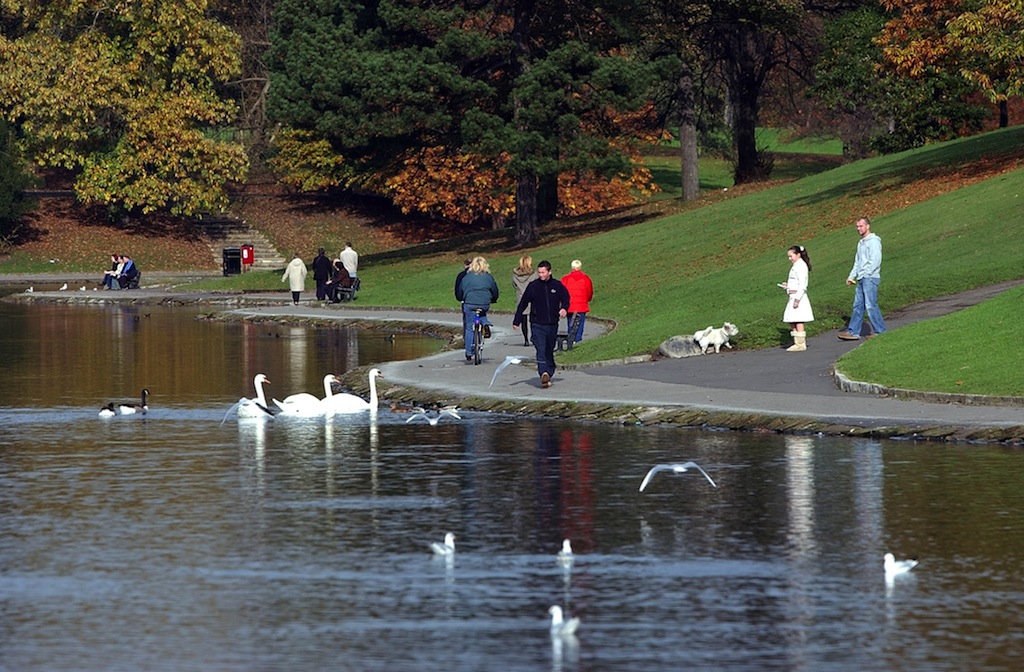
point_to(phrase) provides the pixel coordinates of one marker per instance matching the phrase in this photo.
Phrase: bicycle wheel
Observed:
(478, 342)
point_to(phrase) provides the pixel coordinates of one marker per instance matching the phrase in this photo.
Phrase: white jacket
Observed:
(295, 274)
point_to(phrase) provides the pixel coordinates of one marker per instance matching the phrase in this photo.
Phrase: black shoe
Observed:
(487, 331)
(469, 358)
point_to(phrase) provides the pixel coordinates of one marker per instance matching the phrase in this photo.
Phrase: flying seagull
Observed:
(894, 567)
(434, 419)
(675, 469)
(511, 359)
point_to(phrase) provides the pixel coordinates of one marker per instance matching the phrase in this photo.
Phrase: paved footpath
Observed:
(771, 382)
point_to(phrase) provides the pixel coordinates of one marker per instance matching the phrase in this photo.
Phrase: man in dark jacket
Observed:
(322, 269)
(549, 302)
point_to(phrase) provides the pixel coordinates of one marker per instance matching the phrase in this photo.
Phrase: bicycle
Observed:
(478, 334)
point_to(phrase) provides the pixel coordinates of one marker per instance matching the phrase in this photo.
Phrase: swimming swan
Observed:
(306, 405)
(350, 403)
(257, 407)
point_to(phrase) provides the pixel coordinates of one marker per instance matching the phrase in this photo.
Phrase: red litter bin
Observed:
(248, 256)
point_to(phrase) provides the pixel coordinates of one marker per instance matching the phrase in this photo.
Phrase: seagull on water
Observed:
(559, 626)
(565, 556)
(63, 287)
(511, 359)
(446, 547)
(433, 420)
(675, 469)
(30, 290)
(894, 567)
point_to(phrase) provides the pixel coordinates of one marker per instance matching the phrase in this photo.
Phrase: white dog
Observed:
(716, 337)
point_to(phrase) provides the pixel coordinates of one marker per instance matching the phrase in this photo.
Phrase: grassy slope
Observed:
(680, 273)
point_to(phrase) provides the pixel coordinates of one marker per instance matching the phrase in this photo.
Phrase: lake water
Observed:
(175, 542)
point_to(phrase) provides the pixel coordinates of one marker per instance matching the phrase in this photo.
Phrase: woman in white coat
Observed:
(295, 274)
(798, 305)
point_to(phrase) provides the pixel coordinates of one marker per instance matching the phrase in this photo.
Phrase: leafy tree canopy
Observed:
(125, 95)
(876, 109)
(383, 81)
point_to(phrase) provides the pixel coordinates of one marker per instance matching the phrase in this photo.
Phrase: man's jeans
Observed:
(865, 297)
(544, 337)
(468, 320)
(578, 336)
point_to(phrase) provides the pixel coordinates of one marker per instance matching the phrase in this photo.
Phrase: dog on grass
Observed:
(715, 336)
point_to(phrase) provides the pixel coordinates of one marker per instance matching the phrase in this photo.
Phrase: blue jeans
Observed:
(544, 337)
(468, 320)
(579, 332)
(865, 297)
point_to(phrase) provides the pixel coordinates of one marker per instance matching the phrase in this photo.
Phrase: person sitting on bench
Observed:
(110, 277)
(128, 274)
(340, 280)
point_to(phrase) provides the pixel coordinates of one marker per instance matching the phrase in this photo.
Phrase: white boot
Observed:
(799, 341)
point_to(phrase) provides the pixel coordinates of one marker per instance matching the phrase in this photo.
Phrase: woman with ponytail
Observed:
(798, 305)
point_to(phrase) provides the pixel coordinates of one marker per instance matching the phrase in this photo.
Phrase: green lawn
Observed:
(974, 351)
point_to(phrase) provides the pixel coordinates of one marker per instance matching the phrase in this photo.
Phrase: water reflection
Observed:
(176, 542)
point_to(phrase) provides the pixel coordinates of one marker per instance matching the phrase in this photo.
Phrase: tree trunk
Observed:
(688, 136)
(526, 209)
(547, 198)
(526, 184)
(745, 80)
(1004, 114)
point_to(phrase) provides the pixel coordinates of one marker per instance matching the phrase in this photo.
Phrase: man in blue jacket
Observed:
(548, 300)
(865, 276)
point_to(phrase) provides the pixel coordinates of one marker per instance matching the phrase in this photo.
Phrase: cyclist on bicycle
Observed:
(477, 290)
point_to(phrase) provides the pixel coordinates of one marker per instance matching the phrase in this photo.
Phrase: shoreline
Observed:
(738, 390)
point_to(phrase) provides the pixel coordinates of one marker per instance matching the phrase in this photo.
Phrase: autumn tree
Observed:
(125, 96)
(979, 40)
(377, 81)
(989, 41)
(876, 109)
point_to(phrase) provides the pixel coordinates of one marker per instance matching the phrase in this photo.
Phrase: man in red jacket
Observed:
(581, 293)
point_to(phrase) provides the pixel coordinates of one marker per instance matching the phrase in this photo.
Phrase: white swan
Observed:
(129, 409)
(350, 403)
(305, 404)
(257, 407)
(446, 547)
